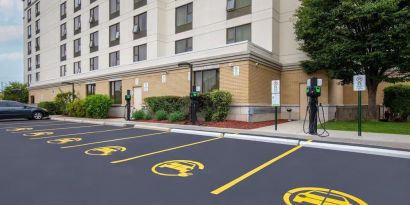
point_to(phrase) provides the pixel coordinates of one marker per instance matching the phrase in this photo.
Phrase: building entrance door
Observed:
(137, 98)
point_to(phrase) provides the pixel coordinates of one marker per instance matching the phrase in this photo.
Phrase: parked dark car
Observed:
(12, 109)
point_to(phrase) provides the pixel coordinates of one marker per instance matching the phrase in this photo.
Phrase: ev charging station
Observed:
(313, 92)
(128, 105)
(194, 104)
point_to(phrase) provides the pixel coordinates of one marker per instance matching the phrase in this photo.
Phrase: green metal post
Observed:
(359, 114)
(276, 118)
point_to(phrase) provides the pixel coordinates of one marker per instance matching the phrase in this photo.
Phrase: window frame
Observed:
(63, 10)
(186, 45)
(63, 50)
(188, 22)
(29, 64)
(37, 58)
(94, 38)
(139, 3)
(235, 31)
(90, 89)
(218, 75)
(116, 41)
(63, 71)
(114, 95)
(29, 47)
(138, 30)
(117, 59)
(77, 67)
(94, 63)
(137, 55)
(237, 10)
(29, 15)
(77, 5)
(77, 24)
(37, 43)
(63, 35)
(37, 25)
(94, 14)
(114, 13)
(37, 76)
(77, 47)
(37, 8)
(29, 31)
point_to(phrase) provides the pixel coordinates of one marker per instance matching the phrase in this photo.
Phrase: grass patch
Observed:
(371, 126)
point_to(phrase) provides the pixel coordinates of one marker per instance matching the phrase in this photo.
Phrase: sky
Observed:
(11, 41)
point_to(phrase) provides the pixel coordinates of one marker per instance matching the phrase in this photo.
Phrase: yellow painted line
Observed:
(64, 128)
(40, 125)
(81, 133)
(113, 140)
(165, 150)
(254, 171)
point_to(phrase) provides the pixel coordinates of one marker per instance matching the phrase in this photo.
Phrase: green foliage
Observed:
(97, 106)
(215, 105)
(138, 115)
(147, 116)
(1, 96)
(50, 106)
(62, 100)
(16, 91)
(397, 99)
(169, 104)
(161, 115)
(76, 108)
(352, 37)
(177, 116)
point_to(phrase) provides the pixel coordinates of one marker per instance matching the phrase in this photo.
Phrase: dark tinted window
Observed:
(15, 104)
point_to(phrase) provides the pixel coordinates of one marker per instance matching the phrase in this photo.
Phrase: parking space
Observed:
(79, 163)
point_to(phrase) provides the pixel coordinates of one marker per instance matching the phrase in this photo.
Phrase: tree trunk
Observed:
(372, 106)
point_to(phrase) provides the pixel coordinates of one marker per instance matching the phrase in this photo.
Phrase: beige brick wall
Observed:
(237, 85)
(260, 84)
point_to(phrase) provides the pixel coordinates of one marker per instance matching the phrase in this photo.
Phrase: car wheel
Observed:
(37, 115)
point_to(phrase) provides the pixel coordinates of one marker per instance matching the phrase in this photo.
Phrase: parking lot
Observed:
(55, 162)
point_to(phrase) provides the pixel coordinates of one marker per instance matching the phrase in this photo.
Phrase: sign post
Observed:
(359, 85)
(276, 99)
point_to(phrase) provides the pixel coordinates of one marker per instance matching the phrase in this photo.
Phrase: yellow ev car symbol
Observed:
(320, 196)
(63, 140)
(105, 151)
(20, 129)
(38, 134)
(177, 168)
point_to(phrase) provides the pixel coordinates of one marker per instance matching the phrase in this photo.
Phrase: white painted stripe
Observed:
(358, 149)
(193, 132)
(263, 139)
(165, 129)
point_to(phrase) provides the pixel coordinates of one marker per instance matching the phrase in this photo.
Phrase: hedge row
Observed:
(397, 99)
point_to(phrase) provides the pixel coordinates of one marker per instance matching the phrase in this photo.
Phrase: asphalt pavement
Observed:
(54, 162)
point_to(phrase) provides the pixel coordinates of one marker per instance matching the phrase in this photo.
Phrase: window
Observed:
(63, 31)
(63, 71)
(29, 31)
(77, 47)
(139, 3)
(239, 33)
(77, 67)
(146, 86)
(94, 17)
(77, 5)
(37, 76)
(140, 26)
(37, 43)
(29, 79)
(77, 25)
(28, 15)
(63, 11)
(94, 42)
(206, 80)
(32, 101)
(183, 18)
(94, 63)
(140, 52)
(63, 52)
(28, 3)
(236, 8)
(38, 61)
(90, 89)
(92, 1)
(115, 35)
(115, 58)
(29, 64)
(38, 9)
(114, 8)
(116, 92)
(37, 26)
(184, 45)
(29, 48)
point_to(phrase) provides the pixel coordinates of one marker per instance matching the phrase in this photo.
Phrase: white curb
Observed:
(94, 122)
(74, 120)
(202, 133)
(57, 119)
(116, 124)
(356, 149)
(262, 139)
(165, 129)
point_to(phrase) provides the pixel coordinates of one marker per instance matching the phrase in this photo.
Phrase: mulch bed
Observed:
(224, 124)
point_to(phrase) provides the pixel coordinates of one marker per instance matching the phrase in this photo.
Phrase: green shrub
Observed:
(61, 101)
(97, 106)
(138, 115)
(76, 108)
(215, 105)
(161, 115)
(169, 104)
(177, 116)
(397, 99)
(147, 116)
(50, 106)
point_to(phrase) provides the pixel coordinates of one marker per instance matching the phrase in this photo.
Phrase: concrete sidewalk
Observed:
(287, 130)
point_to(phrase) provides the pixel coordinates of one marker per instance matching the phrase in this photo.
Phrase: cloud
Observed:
(8, 4)
(9, 33)
(11, 11)
(13, 56)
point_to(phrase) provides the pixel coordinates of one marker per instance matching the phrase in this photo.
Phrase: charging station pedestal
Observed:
(128, 105)
(194, 105)
(313, 92)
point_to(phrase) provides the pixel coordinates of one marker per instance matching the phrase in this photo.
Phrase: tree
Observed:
(349, 37)
(16, 91)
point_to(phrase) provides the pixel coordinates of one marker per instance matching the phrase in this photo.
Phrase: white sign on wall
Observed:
(275, 93)
(359, 83)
